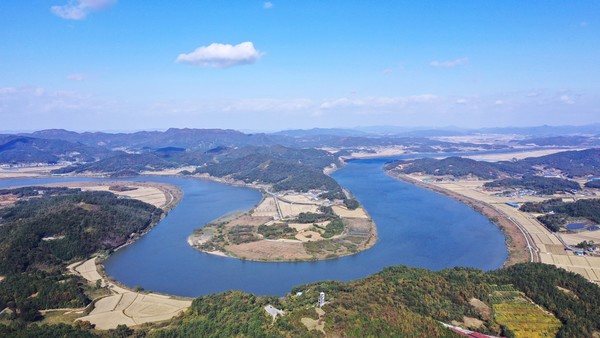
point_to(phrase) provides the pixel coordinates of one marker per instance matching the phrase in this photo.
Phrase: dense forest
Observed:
(284, 168)
(541, 185)
(558, 212)
(49, 227)
(570, 163)
(398, 301)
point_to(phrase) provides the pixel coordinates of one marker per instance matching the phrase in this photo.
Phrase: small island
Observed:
(290, 226)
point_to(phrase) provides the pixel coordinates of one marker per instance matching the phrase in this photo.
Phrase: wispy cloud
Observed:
(77, 77)
(449, 64)
(376, 102)
(268, 5)
(219, 55)
(79, 9)
(566, 99)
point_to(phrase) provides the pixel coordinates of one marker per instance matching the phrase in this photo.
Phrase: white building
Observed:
(321, 299)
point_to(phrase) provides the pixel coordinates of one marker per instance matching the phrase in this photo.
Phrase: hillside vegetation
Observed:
(570, 163)
(402, 301)
(50, 227)
(541, 185)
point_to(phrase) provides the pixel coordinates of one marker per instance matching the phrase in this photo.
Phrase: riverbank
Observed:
(516, 241)
(123, 305)
(540, 244)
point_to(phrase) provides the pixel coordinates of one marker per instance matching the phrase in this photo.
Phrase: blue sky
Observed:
(256, 65)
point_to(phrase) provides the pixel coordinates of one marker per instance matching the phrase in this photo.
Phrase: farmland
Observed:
(520, 315)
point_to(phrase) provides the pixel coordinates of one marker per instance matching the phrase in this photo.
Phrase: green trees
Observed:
(542, 185)
(38, 236)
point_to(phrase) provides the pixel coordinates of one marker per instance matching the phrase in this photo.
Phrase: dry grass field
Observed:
(347, 213)
(125, 306)
(270, 250)
(9, 173)
(268, 208)
(289, 210)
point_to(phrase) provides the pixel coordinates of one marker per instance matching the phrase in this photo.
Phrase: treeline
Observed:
(50, 227)
(593, 184)
(559, 212)
(541, 185)
(326, 214)
(571, 163)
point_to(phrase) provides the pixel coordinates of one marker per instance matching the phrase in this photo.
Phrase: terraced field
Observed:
(517, 312)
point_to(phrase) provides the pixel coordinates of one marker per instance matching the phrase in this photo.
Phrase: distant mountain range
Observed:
(193, 146)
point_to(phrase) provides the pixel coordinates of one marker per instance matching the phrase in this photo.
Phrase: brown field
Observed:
(268, 208)
(125, 306)
(518, 154)
(246, 219)
(27, 172)
(169, 172)
(290, 210)
(267, 250)
(345, 212)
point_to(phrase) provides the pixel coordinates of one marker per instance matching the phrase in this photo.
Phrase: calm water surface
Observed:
(416, 227)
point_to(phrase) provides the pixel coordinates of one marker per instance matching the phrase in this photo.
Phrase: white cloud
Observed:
(79, 9)
(498, 102)
(376, 102)
(268, 5)
(566, 99)
(78, 77)
(449, 64)
(461, 101)
(219, 55)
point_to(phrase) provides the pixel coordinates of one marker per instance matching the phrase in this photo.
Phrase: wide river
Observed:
(416, 227)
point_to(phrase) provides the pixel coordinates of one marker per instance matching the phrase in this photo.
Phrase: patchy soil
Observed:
(261, 235)
(484, 311)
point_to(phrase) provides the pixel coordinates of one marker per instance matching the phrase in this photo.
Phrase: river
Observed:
(416, 227)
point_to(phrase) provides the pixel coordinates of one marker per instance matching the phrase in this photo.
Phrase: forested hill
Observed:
(284, 168)
(49, 227)
(570, 163)
(403, 301)
(20, 150)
